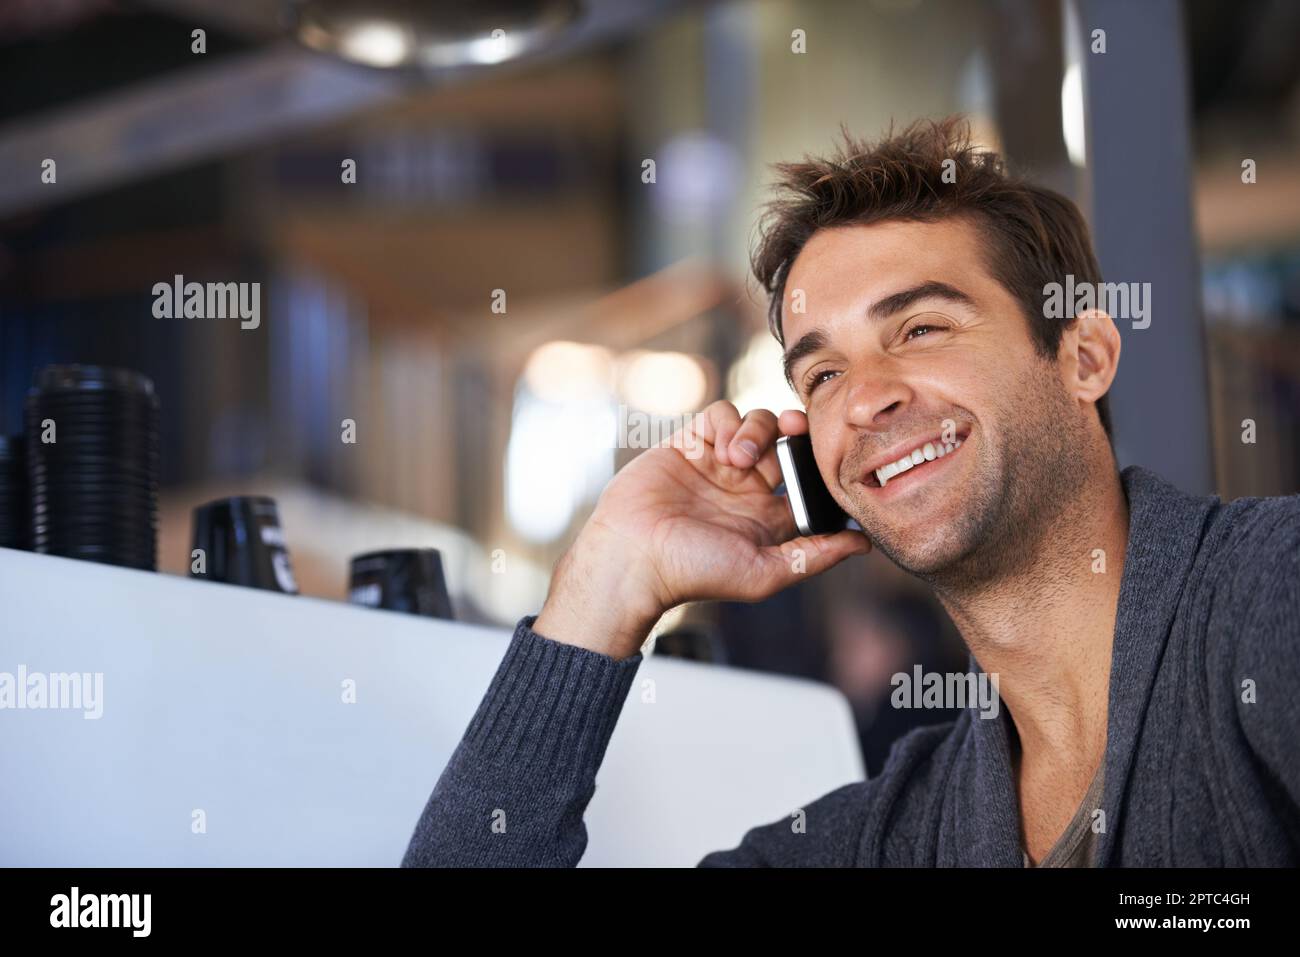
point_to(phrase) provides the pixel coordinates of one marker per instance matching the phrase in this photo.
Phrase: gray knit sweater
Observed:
(1202, 763)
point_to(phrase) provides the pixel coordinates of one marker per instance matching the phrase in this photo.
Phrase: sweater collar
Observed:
(1165, 529)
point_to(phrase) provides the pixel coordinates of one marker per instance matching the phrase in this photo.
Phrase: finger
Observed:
(810, 555)
(779, 519)
(793, 422)
(701, 430)
(724, 419)
(714, 426)
(769, 466)
(758, 430)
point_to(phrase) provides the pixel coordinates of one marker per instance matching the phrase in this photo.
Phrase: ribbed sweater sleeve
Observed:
(517, 785)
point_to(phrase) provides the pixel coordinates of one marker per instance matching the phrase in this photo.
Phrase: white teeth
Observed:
(926, 453)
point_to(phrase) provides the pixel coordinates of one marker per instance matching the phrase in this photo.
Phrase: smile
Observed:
(919, 459)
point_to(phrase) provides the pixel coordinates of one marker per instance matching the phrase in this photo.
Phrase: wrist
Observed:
(598, 600)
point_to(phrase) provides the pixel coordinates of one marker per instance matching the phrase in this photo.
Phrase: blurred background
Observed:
(507, 282)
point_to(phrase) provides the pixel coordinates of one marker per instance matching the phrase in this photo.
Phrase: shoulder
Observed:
(1256, 548)
(1257, 598)
(830, 831)
(1255, 577)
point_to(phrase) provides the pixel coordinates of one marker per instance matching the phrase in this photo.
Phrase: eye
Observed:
(817, 378)
(919, 325)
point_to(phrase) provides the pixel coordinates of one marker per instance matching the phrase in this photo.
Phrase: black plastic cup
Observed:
(401, 579)
(690, 643)
(93, 492)
(242, 544)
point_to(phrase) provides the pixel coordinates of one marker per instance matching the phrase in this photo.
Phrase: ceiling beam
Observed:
(209, 111)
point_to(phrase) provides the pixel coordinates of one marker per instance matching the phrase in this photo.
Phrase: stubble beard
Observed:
(1012, 502)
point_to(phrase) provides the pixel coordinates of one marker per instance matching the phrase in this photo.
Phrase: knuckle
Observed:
(762, 427)
(723, 411)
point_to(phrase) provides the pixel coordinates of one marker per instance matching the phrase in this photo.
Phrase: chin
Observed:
(923, 556)
(929, 559)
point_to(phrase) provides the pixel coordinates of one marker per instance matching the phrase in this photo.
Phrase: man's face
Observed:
(904, 339)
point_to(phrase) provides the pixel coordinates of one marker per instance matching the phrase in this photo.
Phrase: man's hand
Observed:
(690, 520)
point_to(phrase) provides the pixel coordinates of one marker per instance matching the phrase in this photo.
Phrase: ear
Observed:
(1090, 355)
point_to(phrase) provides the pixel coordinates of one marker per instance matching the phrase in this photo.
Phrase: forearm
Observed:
(516, 788)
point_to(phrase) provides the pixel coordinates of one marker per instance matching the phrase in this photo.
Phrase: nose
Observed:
(874, 399)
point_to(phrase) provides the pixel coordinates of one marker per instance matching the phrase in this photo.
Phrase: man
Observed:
(1144, 641)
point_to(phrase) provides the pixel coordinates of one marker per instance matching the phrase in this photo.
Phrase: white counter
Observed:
(229, 702)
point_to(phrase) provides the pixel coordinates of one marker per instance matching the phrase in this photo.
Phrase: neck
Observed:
(1046, 627)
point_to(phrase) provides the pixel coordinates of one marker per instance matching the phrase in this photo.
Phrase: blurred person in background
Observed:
(875, 640)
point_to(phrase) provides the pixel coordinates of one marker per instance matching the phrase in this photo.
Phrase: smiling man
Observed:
(1144, 641)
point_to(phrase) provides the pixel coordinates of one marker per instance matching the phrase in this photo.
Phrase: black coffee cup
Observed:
(690, 643)
(401, 579)
(242, 544)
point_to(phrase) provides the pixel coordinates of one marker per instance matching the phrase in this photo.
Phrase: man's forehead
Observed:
(853, 266)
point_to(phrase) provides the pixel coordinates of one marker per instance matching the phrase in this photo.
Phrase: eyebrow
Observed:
(899, 301)
(812, 341)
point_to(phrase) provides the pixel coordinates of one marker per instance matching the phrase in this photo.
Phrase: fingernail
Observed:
(749, 448)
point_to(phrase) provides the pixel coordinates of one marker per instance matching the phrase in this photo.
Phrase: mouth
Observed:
(926, 459)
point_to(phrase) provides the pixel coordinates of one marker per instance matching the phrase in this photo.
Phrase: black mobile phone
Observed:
(815, 512)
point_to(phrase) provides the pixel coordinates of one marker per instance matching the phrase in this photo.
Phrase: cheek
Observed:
(828, 437)
(969, 385)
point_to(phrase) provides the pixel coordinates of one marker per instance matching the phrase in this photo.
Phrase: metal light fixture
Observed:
(434, 36)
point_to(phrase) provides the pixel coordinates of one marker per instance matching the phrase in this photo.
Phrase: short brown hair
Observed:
(1037, 236)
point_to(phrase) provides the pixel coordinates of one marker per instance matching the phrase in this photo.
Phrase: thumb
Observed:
(813, 554)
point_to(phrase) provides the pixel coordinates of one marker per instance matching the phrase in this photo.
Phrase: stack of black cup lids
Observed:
(92, 450)
(15, 508)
